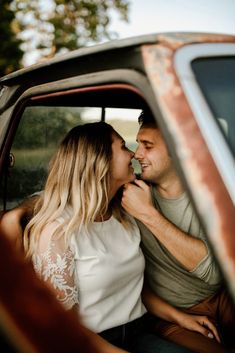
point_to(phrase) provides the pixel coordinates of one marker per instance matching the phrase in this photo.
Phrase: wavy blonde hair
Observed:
(79, 178)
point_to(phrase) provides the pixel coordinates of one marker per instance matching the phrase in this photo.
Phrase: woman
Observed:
(86, 247)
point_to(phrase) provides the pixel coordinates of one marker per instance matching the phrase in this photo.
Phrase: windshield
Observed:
(216, 78)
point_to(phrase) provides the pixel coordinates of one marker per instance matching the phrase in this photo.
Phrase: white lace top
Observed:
(101, 270)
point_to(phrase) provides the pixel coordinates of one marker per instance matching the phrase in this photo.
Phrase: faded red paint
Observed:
(106, 87)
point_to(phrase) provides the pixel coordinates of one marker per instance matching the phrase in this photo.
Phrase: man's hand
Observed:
(136, 199)
(199, 324)
(193, 322)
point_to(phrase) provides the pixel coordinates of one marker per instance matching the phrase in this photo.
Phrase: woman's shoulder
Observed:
(50, 227)
(46, 235)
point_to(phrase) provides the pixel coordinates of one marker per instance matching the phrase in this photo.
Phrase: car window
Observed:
(125, 122)
(38, 135)
(216, 78)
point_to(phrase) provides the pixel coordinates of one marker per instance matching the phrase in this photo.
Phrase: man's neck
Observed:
(171, 188)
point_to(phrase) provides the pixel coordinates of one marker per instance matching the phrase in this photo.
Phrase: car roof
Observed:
(171, 40)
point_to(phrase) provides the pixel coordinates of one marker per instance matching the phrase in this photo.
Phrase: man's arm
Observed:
(12, 222)
(188, 250)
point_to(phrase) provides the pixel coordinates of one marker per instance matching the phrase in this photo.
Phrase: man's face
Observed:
(152, 155)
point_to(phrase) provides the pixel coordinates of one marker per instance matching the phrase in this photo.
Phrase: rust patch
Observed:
(176, 40)
(200, 171)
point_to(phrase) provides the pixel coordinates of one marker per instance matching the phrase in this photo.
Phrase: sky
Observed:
(150, 16)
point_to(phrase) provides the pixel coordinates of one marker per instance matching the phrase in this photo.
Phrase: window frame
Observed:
(209, 128)
(100, 82)
(97, 80)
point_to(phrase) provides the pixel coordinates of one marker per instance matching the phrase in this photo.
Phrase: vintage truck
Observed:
(187, 80)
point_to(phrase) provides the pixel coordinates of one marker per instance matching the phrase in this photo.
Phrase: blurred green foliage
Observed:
(45, 126)
(10, 52)
(40, 131)
(56, 26)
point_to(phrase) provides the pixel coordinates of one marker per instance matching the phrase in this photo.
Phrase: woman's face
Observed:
(122, 171)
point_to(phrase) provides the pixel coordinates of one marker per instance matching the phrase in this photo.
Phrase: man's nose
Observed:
(138, 153)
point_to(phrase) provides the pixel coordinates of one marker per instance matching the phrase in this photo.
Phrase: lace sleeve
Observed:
(55, 264)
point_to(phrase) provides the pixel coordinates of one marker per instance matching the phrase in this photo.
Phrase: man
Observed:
(180, 267)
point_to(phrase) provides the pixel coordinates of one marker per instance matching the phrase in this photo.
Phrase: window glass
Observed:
(216, 77)
(125, 122)
(40, 131)
(38, 135)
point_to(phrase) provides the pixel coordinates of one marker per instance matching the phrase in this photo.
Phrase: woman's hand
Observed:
(199, 324)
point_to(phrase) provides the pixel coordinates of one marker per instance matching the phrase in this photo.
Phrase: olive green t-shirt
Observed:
(166, 276)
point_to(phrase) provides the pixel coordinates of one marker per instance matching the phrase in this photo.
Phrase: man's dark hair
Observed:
(146, 118)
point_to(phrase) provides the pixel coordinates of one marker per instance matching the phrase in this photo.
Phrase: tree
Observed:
(10, 52)
(49, 124)
(56, 26)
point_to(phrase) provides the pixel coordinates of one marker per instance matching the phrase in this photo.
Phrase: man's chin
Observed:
(144, 176)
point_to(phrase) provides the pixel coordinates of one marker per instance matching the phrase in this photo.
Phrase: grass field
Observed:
(31, 159)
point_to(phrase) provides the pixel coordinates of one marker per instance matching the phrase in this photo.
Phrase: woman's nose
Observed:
(132, 154)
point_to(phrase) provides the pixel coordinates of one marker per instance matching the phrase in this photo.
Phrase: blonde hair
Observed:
(79, 178)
